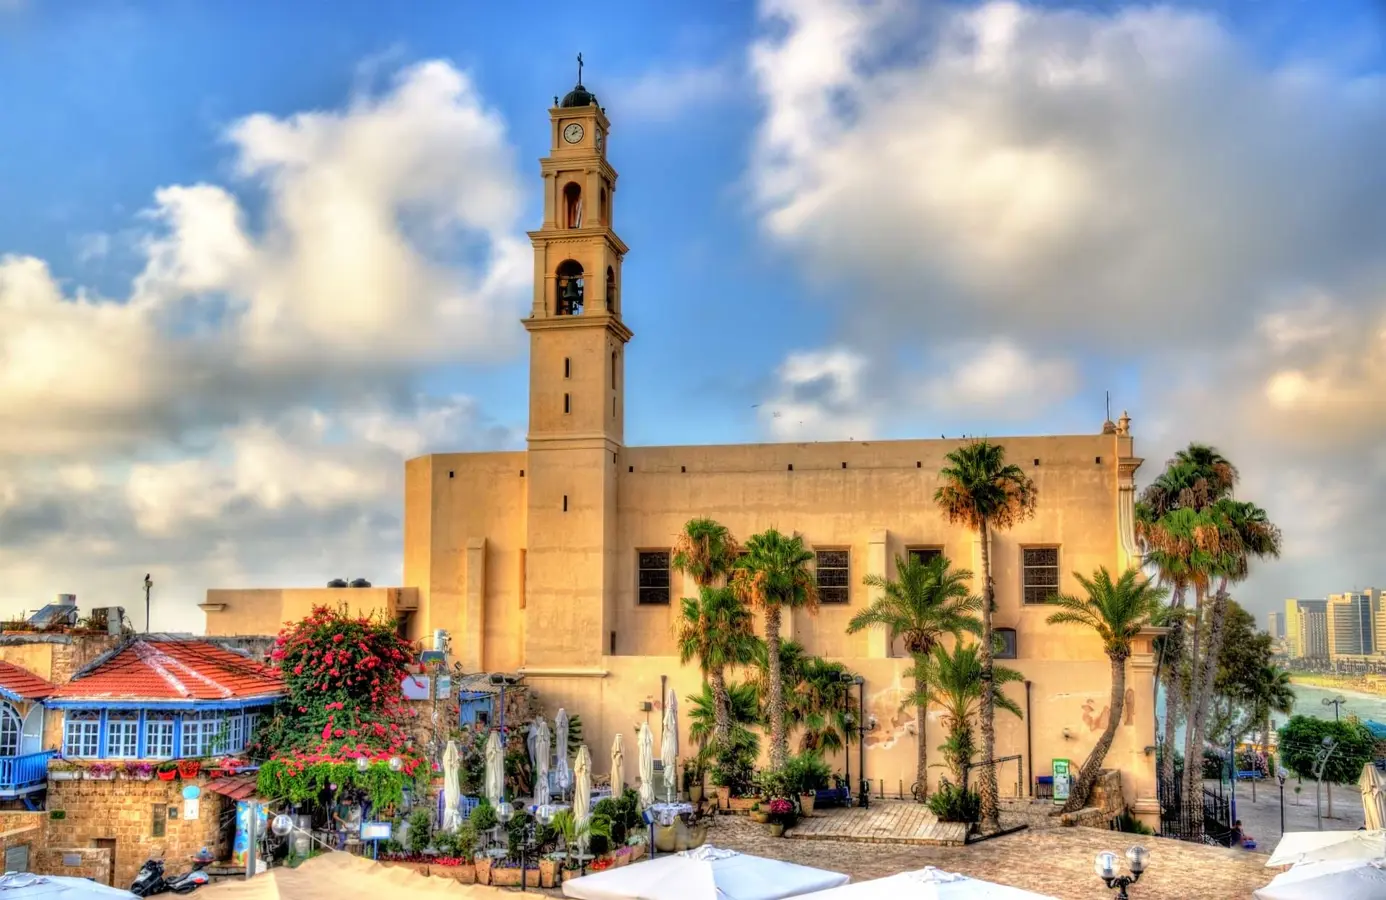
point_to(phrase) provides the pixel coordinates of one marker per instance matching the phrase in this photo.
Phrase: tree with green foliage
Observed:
(716, 628)
(775, 574)
(925, 602)
(954, 681)
(1303, 742)
(744, 714)
(983, 492)
(1116, 611)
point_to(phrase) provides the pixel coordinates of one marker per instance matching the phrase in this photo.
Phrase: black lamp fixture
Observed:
(1137, 858)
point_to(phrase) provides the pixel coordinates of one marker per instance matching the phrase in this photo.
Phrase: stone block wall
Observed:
(18, 829)
(77, 862)
(123, 810)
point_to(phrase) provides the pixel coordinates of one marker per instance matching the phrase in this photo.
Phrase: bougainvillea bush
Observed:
(344, 702)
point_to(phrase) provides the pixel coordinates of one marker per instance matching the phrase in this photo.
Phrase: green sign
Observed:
(1062, 781)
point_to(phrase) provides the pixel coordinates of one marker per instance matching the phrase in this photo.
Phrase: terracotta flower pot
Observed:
(777, 829)
(759, 815)
(722, 793)
(463, 874)
(695, 794)
(548, 873)
(167, 775)
(188, 768)
(806, 802)
(483, 870)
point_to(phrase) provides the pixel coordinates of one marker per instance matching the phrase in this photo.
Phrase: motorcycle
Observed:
(151, 880)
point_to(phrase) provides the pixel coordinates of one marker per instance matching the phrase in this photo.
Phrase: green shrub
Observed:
(954, 803)
(420, 830)
(1131, 825)
(806, 773)
(483, 818)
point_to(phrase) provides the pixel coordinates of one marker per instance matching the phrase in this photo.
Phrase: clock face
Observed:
(573, 133)
(601, 140)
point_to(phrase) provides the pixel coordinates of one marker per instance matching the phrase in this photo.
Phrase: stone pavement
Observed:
(1261, 819)
(885, 821)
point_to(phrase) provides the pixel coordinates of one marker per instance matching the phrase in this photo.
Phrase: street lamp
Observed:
(1137, 857)
(1280, 775)
(849, 723)
(1337, 703)
(1321, 763)
(148, 585)
(865, 799)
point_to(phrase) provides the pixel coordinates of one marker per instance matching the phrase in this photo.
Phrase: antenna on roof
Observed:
(1109, 406)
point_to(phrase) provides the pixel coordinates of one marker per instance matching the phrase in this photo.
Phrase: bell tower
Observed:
(576, 396)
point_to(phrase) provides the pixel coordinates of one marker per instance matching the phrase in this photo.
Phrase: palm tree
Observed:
(982, 491)
(955, 685)
(773, 575)
(744, 709)
(1274, 693)
(923, 603)
(718, 631)
(819, 703)
(1117, 611)
(706, 551)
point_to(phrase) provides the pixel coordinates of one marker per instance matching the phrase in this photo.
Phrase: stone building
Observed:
(553, 561)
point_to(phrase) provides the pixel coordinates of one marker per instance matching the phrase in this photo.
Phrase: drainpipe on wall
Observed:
(1029, 745)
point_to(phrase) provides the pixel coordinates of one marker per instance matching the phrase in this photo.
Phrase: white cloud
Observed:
(820, 396)
(1008, 191)
(665, 94)
(244, 413)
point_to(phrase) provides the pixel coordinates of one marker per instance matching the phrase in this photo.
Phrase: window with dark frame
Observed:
(923, 555)
(1040, 575)
(160, 825)
(1005, 643)
(652, 577)
(834, 576)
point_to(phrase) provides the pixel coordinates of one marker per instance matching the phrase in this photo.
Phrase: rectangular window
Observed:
(1041, 573)
(567, 403)
(158, 735)
(235, 732)
(250, 720)
(652, 579)
(1005, 643)
(567, 367)
(923, 555)
(200, 734)
(122, 734)
(81, 733)
(160, 820)
(833, 575)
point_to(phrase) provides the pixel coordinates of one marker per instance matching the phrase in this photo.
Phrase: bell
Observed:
(571, 293)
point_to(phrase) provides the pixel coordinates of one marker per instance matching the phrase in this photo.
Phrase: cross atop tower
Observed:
(579, 68)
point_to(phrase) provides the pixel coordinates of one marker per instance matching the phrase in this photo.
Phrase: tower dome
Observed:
(578, 96)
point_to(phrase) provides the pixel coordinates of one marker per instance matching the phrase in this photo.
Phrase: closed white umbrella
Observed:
(495, 769)
(669, 745)
(541, 761)
(1373, 785)
(646, 742)
(560, 743)
(618, 766)
(1344, 879)
(582, 791)
(452, 789)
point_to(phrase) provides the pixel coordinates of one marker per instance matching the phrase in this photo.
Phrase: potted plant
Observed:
(139, 771)
(483, 869)
(166, 771)
(188, 768)
(806, 774)
(101, 771)
(693, 773)
(622, 856)
(759, 815)
(781, 816)
(548, 869)
(455, 849)
(64, 770)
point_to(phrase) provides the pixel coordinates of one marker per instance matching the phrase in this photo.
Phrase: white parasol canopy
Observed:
(27, 886)
(541, 761)
(1344, 879)
(706, 873)
(452, 789)
(618, 765)
(669, 745)
(1320, 846)
(560, 741)
(1373, 785)
(646, 741)
(582, 792)
(495, 769)
(928, 883)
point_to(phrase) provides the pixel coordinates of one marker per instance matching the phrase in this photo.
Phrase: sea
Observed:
(1309, 702)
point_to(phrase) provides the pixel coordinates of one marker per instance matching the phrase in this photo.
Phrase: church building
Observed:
(553, 562)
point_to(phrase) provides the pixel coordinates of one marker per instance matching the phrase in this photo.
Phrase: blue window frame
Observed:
(128, 731)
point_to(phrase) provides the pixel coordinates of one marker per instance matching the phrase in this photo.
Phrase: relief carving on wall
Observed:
(1098, 721)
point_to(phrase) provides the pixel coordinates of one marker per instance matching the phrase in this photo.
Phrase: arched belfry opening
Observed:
(572, 205)
(611, 290)
(568, 280)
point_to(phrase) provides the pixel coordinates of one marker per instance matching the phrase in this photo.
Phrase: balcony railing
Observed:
(22, 774)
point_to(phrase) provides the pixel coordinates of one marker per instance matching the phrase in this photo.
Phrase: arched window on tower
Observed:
(611, 289)
(568, 280)
(572, 205)
(606, 218)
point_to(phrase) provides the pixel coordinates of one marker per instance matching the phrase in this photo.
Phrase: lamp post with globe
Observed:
(1137, 858)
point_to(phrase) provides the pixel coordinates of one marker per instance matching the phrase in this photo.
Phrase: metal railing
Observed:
(999, 764)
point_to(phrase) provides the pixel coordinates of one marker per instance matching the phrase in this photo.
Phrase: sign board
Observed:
(444, 687)
(416, 687)
(375, 831)
(1063, 781)
(192, 809)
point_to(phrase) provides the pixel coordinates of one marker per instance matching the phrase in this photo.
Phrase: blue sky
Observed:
(943, 238)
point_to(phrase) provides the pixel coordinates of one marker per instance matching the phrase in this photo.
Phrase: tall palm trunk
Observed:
(921, 715)
(1198, 724)
(1087, 775)
(987, 786)
(775, 690)
(1193, 753)
(721, 706)
(1174, 683)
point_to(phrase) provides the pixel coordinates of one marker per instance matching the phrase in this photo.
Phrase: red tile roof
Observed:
(237, 787)
(22, 683)
(172, 671)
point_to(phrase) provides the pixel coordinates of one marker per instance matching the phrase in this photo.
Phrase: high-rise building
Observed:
(1351, 625)
(1276, 626)
(1306, 629)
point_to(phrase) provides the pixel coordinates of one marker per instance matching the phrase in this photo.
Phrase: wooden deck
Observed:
(885, 822)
